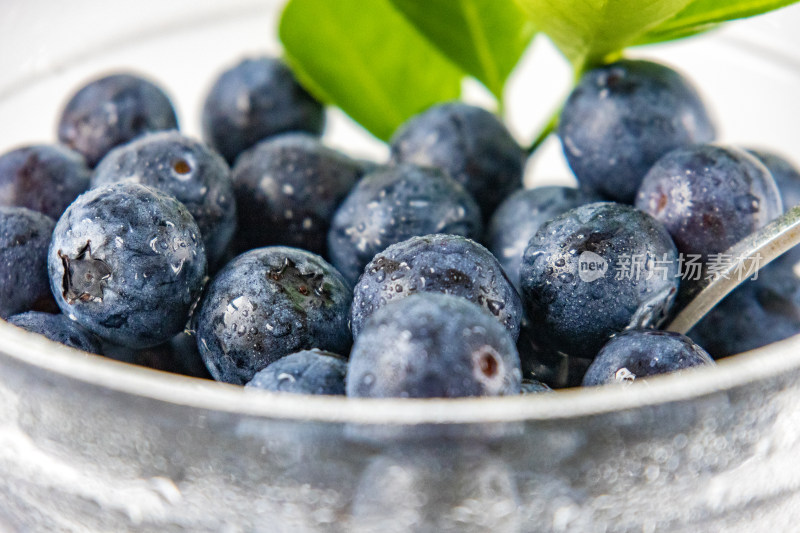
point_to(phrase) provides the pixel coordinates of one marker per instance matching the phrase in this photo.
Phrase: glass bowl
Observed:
(91, 444)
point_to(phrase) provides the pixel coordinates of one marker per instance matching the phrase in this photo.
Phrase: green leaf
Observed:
(701, 15)
(484, 37)
(588, 31)
(365, 57)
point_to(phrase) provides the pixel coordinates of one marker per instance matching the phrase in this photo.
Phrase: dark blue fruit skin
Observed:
(268, 303)
(127, 263)
(786, 175)
(24, 239)
(188, 170)
(519, 217)
(531, 386)
(576, 317)
(45, 178)
(287, 189)
(637, 354)
(757, 313)
(709, 197)
(433, 346)
(179, 355)
(254, 100)
(58, 328)
(392, 204)
(306, 372)
(622, 117)
(787, 178)
(449, 264)
(470, 144)
(111, 111)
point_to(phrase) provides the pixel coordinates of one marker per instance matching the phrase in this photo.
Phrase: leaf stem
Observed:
(545, 132)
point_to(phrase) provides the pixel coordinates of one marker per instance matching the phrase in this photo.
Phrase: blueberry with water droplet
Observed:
(393, 204)
(450, 264)
(622, 117)
(520, 215)
(111, 111)
(433, 345)
(709, 197)
(290, 174)
(624, 274)
(468, 143)
(636, 354)
(106, 273)
(283, 300)
(253, 100)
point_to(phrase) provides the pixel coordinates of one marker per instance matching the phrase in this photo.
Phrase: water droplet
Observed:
(747, 203)
(366, 383)
(285, 377)
(495, 306)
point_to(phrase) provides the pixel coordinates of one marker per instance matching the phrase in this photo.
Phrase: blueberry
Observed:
(594, 271)
(254, 100)
(756, 313)
(306, 372)
(449, 264)
(518, 218)
(786, 175)
(393, 204)
(531, 386)
(638, 354)
(709, 197)
(111, 111)
(622, 117)
(268, 303)
(787, 178)
(45, 178)
(58, 328)
(186, 169)
(24, 239)
(287, 189)
(433, 345)
(470, 144)
(179, 355)
(127, 263)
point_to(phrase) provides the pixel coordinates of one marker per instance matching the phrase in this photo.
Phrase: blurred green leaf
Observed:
(484, 37)
(366, 58)
(589, 31)
(702, 15)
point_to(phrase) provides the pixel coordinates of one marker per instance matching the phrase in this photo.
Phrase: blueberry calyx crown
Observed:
(306, 284)
(84, 276)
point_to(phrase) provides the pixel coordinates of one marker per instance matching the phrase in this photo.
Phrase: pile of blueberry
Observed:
(261, 257)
